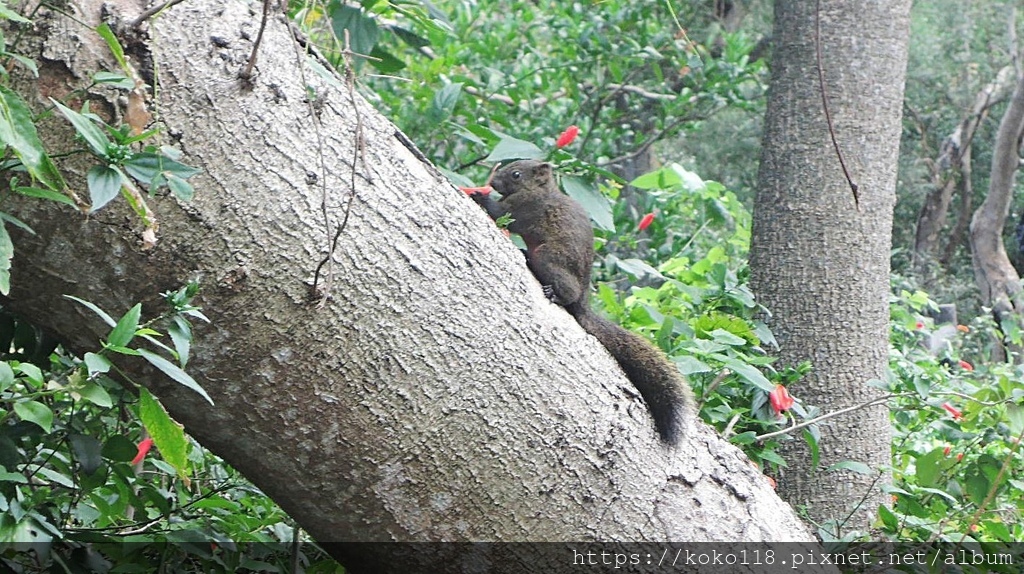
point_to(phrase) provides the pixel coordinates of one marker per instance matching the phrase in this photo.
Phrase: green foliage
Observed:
(80, 487)
(958, 426)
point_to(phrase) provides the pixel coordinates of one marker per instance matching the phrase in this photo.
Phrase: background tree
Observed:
(819, 256)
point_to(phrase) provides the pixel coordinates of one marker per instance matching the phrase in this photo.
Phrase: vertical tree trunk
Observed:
(819, 263)
(997, 280)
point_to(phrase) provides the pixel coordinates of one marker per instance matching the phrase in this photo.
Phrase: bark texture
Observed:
(819, 264)
(954, 157)
(436, 395)
(997, 279)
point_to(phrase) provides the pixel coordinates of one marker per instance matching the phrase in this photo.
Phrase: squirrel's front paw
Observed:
(549, 292)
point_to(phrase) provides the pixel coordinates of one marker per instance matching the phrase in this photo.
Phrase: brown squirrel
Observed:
(560, 252)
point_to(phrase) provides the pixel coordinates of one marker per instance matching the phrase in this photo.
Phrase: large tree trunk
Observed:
(436, 394)
(997, 279)
(820, 264)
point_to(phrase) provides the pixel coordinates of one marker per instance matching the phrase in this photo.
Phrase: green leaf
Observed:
(168, 435)
(362, 30)
(444, 102)
(31, 371)
(6, 376)
(888, 518)
(28, 63)
(45, 194)
(35, 412)
(94, 393)
(181, 335)
(104, 185)
(125, 329)
(597, 205)
(6, 255)
(116, 80)
(928, 467)
(174, 372)
(115, 47)
(1015, 418)
(87, 452)
(85, 127)
(119, 448)
(384, 61)
(749, 373)
(689, 365)
(512, 148)
(96, 363)
(147, 166)
(18, 130)
(8, 14)
(102, 314)
(181, 188)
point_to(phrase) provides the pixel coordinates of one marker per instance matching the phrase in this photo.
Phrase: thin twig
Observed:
(824, 104)
(146, 15)
(247, 72)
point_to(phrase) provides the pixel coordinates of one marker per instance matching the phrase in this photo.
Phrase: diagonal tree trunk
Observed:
(435, 395)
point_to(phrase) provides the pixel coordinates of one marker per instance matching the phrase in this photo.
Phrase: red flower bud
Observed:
(566, 137)
(919, 325)
(966, 366)
(959, 457)
(645, 222)
(957, 415)
(144, 446)
(780, 399)
(946, 450)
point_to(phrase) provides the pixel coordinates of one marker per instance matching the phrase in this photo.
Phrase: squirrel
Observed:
(560, 253)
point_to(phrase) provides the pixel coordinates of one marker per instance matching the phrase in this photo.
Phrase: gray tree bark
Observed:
(997, 279)
(820, 264)
(954, 154)
(436, 395)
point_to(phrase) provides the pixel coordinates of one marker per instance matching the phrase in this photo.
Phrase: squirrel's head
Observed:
(525, 174)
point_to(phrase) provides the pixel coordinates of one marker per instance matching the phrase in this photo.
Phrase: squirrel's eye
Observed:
(516, 174)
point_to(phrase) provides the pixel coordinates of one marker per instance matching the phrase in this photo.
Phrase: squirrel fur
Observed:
(560, 253)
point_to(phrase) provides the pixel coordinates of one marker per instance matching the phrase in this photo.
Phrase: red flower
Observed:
(780, 399)
(645, 222)
(144, 446)
(485, 190)
(919, 325)
(953, 411)
(946, 450)
(966, 366)
(959, 457)
(566, 137)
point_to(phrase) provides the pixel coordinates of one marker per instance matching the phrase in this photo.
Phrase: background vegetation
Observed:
(669, 100)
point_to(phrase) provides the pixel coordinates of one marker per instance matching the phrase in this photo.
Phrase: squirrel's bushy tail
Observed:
(666, 392)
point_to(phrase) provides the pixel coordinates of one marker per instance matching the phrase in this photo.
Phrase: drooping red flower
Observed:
(966, 366)
(566, 137)
(945, 451)
(780, 399)
(953, 411)
(144, 446)
(645, 222)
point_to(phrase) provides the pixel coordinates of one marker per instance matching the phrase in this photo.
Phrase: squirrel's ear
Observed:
(544, 169)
